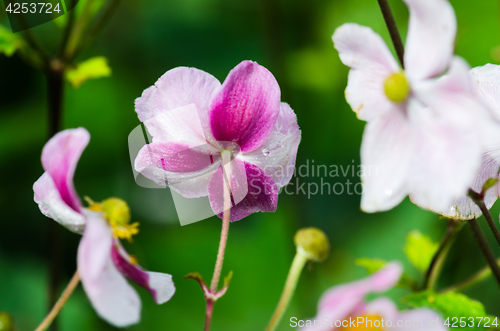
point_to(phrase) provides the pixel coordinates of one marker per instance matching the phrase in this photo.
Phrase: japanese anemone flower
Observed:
(198, 125)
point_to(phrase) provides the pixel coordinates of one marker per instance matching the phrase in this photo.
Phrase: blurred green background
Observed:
(142, 41)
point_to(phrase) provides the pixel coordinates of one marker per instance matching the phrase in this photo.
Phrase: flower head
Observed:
(425, 133)
(194, 119)
(103, 264)
(343, 302)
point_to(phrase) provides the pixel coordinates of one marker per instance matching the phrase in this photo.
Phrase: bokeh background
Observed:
(142, 41)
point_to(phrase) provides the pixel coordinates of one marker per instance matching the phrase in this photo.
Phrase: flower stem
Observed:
(470, 281)
(226, 158)
(298, 263)
(478, 199)
(393, 30)
(60, 303)
(485, 249)
(432, 274)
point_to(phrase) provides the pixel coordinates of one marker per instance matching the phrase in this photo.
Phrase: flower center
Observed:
(396, 87)
(117, 213)
(365, 323)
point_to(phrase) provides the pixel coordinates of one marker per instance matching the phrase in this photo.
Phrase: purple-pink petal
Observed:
(262, 193)
(59, 159)
(246, 107)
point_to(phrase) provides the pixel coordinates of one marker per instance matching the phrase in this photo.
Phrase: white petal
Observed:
(108, 291)
(51, 205)
(486, 84)
(430, 41)
(386, 152)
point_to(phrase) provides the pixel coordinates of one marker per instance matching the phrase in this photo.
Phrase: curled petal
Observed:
(179, 90)
(278, 153)
(108, 291)
(186, 170)
(372, 63)
(51, 205)
(246, 107)
(59, 159)
(386, 152)
(160, 285)
(430, 40)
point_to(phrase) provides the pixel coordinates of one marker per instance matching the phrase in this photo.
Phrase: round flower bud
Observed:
(313, 243)
(6, 323)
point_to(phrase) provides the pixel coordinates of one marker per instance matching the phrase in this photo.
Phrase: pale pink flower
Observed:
(346, 303)
(103, 264)
(193, 118)
(425, 133)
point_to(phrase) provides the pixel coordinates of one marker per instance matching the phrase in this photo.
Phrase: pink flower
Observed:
(193, 118)
(103, 264)
(346, 303)
(486, 83)
(425, 133)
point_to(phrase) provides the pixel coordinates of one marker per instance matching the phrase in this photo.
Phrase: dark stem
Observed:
(55, 92)
(393, 30)
(478, 199)
(208, 315)
(485, 249)
(436, 265)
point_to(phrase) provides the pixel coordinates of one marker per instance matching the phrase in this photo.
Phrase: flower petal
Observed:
(251, 189)
(59, 159)
(430, 40)
(180, 90)
(372, 63)
(160, 285)
(386, 152)
(382, 307)
(345, 300)
(51, 205)
(108, 291)
(278, 153)
(246, 107)
(486, 85)
(185, 169)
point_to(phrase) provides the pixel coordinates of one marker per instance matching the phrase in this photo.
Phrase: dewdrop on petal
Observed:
(313, 243)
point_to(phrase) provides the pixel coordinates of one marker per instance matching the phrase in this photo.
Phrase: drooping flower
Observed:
(486, 83)
(343, 305)
(425, 133)
(194, 120)
(103, 264)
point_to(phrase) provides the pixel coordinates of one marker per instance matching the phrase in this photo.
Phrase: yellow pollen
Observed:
(366, 323)
(396, 87)
(133, 260)
(117, 213)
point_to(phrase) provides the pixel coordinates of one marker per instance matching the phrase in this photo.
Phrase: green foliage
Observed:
(9, 42)
(489, 184)
(450, 305)
(6, 322)
(96, 67)
(373, 265)
(420, 249)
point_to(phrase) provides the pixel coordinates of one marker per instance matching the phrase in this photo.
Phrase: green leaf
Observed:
(489, 184)
(420, 249)
(6, 322)
(450, 305)
(9, 42)
(373, 265)
(92, 68)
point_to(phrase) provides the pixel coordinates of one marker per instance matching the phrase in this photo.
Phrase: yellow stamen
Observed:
(396, 87)
(365, 323)
(133, 260)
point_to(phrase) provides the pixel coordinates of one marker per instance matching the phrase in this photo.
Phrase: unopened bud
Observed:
(313, 243)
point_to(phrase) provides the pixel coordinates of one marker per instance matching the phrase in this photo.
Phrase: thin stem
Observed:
(470, 281)
(60, 303)
(485, 248)
(77, 31)
(298, 263)
(208, 315)
(437, 262)
(68, 28)
(478, 199)
(393, 30)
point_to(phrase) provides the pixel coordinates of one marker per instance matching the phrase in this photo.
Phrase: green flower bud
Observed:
(313, 243)
(6, 322)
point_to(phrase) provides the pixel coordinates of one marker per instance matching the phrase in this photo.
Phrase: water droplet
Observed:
(266, 152)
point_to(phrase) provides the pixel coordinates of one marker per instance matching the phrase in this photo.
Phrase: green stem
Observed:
(393, 30)
(432, 274)
(470, 281)
(77, 31)
(485, 249)
(298, 263)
